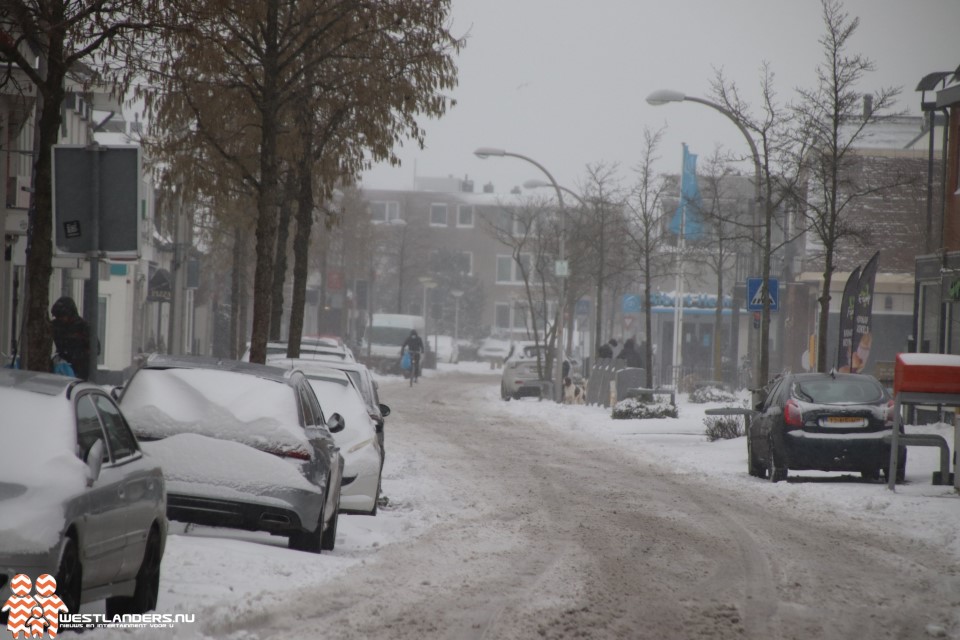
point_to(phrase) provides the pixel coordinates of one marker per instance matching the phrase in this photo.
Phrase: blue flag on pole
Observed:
(688, 217)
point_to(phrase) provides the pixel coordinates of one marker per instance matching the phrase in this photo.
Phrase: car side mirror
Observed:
(336, 423)
(116, 392)
(94, 461)
(384, 410)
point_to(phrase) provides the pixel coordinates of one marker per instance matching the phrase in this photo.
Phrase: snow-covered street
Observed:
(528, 519)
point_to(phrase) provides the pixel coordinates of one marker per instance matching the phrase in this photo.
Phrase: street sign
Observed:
(630, 303)
(583, 307)
(755, 300)
(561, 268)
(105, 178)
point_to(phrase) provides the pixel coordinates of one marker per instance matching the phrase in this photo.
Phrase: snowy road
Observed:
(559, 535)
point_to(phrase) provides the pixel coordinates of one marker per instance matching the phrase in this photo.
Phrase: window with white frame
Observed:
(465, 215)
(502, 318)
(509, 272)
(466, 262)
(384, 211)
(438, 214)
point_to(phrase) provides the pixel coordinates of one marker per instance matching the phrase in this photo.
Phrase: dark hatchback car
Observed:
(824, 422)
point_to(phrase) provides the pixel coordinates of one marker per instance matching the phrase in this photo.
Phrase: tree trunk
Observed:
(301, 251)
(236, 286)
(280, 264)
(266, 234)
(39, 340)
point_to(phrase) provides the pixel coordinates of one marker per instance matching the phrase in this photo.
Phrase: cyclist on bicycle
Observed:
(414, 345)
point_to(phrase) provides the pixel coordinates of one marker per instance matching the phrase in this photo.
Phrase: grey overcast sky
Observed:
(564, 81)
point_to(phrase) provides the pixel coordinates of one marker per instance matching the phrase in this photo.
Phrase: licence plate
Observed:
(843, 421)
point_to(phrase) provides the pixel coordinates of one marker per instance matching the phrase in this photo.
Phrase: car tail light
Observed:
(792, 416)
(297, 454)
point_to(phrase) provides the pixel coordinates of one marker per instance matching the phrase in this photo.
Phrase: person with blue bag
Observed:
(71, 337)
(412, 346)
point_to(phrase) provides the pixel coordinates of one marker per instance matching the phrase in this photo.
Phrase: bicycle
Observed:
(414, 366)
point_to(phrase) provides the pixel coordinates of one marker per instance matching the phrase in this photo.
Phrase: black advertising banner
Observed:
(860, 358)
(847, 314)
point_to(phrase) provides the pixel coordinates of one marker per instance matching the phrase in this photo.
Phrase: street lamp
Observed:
(561, 267)
(428, 284)
(536, 184)
(457, 294)
(666, 96)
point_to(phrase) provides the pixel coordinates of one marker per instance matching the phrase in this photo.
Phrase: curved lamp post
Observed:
(486, 152)
(536, 184)
(666, 96)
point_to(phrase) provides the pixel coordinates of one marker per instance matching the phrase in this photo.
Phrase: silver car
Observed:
(79, 500)
(243, 445)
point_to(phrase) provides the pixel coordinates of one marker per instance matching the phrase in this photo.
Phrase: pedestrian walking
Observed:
(606, 350)
(71, 336)
(631, 355)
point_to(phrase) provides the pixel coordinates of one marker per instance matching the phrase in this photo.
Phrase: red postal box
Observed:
(927, 373)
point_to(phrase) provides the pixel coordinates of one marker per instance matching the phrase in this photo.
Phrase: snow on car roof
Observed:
(220, 404)
(39, 467)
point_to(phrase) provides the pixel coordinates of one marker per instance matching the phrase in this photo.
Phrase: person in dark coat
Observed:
(414, 345)
(631, 355)
(606, 350)
(71, 336)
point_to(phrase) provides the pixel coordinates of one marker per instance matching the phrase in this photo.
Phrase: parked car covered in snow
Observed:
(79, 500)
(358, 442)
(523, 376)
(362, 379)
(822, 421)
(242, 445)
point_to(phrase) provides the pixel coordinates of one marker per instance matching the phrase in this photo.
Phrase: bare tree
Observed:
(600, 237)
(773, 142)
(532, 233)
(835, 116)
(719, 210)
(645, 211)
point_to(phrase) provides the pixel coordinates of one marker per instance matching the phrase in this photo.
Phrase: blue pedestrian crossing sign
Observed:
(754, 297)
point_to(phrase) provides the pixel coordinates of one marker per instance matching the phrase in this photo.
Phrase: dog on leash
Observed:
(573, 392)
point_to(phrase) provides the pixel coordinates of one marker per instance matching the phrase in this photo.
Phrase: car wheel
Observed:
(776, 467)
(70, 576)
(328, 539)
(871, 475)
(376, 501)
(754, 468)
(309, 541)
(901, 468)
(147, 588)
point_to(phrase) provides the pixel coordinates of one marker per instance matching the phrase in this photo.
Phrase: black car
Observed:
(825, 422)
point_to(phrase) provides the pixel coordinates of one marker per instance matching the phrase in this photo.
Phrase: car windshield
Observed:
(854, 390)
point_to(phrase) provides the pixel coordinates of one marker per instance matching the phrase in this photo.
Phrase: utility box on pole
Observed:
(96, 200)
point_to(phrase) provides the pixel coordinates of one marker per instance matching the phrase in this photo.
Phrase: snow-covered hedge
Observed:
(631, 408)
(711, 394)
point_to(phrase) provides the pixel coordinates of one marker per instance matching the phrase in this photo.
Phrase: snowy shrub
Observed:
(630, 408)
(711, 394)
(723, 427)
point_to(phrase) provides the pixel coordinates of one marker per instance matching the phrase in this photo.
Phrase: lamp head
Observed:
(485, 152)
(663, 96)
